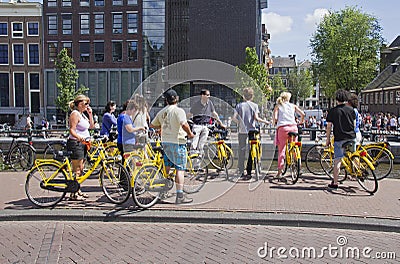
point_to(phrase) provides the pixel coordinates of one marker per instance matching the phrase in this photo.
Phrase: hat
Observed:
(170, 95)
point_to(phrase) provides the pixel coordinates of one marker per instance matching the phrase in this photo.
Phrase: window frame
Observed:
(29, 53)
(84, 28)
(117, 22)
(7, 52)
(6, 28)
(17, 33)
(16, 57)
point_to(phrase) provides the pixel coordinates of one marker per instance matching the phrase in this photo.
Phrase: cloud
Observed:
(277, 24)
(315, 18)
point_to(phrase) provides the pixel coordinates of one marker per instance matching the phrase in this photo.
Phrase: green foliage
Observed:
(258, 77)
(345, 50)
(67, 76)
(300, 84)
(277, 86)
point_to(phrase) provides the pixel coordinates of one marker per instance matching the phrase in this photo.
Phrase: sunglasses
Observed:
(206, 94)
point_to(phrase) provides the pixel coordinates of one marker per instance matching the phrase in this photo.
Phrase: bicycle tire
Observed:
(367, 179)
(312, 160)
(115, 182)
(294, 166)
(36, 194)
(142, 194)
(52, 149)
(196, 175)
(89, 162)
(130, 165)
(22, 157)
(212, 156)
(327, 161)
(111, 150)
(382, 161)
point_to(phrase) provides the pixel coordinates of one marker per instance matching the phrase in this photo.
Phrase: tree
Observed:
(300, 84)
(277, 85)
(67, 76)
(345, 50)
(258, 76)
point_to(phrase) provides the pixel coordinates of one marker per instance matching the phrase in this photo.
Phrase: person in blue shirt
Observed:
(109, 119)
(120, 120)
(128, 127)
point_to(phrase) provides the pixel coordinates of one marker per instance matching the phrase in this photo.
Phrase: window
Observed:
(84, 24)
(17, 31)
(84, 48)
(52, 3)
(68, 47)
(386, 98)
(3, 29)
(34, 81)
(391, 97)
(84, 2)
(132, 23)
(284, 71)
(35, 102)
(33, 28)
(117, 2)
(276, 70)
(4, 89)
(117, 51)
(52, 25)
(19, 89)
(67, 24)
(99, 51)
(66, 2)
(99, 2)
(52, 49)
(117, 23)
(33, 54)
(132, 51)
(380, 97)
(18, 54)
(3, 53)
(99, 23)
(132, 2)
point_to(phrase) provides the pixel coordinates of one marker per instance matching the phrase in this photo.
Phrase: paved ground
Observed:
(228, 222)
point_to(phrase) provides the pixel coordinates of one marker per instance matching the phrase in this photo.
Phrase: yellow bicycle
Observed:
(50, 179)
(151, 182)
(358, 165)
(219, 154)
(255, 151)
(292, 158)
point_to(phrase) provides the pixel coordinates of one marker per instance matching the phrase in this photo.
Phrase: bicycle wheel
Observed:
(90, 160)
(313, 157)
(144, 195)
(365, 175)
(131, 164)
(294, 165)
(211, 152)
(382, 161)
(52, 149)
(196, 175)
(115, 181)
(327, 161)
(22, 157)
(34, 185)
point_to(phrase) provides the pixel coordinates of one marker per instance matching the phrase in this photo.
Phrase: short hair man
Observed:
(174, 128)
(246, 115)
(343, 119)
(202, 111)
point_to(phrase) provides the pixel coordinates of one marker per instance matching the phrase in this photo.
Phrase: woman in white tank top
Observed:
(79, 125)
(285, 121)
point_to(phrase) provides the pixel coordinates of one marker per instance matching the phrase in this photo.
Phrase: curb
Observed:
(206, 217)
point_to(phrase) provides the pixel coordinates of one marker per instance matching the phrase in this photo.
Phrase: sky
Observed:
(291, 23)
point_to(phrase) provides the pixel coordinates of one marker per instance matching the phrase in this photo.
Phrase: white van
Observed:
(313, 112)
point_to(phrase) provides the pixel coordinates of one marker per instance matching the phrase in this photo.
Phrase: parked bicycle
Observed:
(20, 155)
(50, 179)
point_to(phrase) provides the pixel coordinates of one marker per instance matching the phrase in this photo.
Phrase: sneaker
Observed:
(332, 186)
(183, 200)
(244, 177)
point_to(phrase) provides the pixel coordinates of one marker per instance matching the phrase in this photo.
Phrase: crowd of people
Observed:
(132, 123)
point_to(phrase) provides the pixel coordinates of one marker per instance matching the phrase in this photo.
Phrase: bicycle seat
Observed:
(60, 155)
(293, 134)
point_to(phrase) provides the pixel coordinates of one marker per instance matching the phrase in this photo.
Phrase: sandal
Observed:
(82, 194)
(75, 197)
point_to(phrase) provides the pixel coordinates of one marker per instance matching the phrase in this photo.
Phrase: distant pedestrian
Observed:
(29, 122)
(109, 120)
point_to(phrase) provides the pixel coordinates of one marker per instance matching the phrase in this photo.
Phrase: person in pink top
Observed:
(285, 121)
(80, 120)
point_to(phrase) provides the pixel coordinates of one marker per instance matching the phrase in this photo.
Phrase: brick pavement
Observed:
(308, 196)
(115, 242)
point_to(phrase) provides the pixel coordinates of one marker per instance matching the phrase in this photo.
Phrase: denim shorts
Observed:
(339, 150)
(175, 155)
